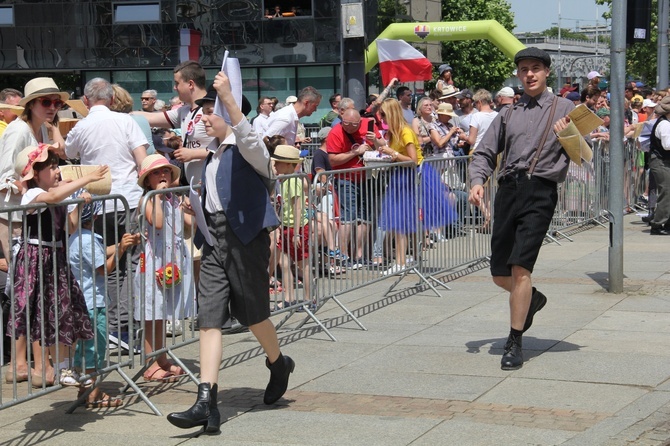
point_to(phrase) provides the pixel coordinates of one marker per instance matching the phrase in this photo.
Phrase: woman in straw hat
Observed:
(36, 124)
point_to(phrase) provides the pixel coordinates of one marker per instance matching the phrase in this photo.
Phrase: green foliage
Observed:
(565, 34)
(477, 63)
(641, 63)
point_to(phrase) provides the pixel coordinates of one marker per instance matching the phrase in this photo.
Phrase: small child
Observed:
(88, 260)
(166, 270)
(295, 238)
(44, 285)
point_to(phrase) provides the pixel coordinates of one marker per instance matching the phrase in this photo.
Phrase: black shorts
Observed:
(522, 214)
(231, 272)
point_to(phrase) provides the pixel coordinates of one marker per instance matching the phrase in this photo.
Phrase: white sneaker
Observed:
(409, 260)
(395, 269)
(171, 330)
(69, 377)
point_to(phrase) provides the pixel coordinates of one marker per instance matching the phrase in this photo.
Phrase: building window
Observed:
(7, 16)
(287, 9)
(148, 12)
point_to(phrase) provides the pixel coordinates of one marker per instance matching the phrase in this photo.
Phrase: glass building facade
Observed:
(137, 43)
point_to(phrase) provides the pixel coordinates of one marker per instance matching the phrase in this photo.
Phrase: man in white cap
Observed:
(504, 97)
(594, 78)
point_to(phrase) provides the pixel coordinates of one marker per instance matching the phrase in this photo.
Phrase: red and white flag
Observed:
(398, 58)
(189, 41)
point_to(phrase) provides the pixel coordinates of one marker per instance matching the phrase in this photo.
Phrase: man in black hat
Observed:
(532, 165)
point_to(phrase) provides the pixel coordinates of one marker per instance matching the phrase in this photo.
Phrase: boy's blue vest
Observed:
(243, 195)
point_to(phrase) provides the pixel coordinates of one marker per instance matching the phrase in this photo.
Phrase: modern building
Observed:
(282, 45)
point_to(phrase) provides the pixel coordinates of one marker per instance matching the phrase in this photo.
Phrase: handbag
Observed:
(168, 276)
(375, 156)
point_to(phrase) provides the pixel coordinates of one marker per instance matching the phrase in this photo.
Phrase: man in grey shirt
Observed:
(526, 197)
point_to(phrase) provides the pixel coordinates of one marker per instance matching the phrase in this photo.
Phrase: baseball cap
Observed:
(291, 99)
(323, 133)
(648, 103)
(465, 93)
(506, 92)
(593, 74)
(573, 96)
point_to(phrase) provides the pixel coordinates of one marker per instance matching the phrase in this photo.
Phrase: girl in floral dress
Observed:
(48, 301)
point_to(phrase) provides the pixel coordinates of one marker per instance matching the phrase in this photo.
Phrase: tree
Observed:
(477, 63)
(565, 34)
(641, 60)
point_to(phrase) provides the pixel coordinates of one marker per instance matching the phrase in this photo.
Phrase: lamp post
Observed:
(558, 70)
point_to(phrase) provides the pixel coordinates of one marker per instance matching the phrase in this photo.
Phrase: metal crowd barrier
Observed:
(32, 348)
(362, 227)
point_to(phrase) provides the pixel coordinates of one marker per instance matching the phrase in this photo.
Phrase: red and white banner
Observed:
(398, 58)
(189, 41)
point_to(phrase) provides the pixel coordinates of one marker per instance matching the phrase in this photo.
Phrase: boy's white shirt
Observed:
(252, 149)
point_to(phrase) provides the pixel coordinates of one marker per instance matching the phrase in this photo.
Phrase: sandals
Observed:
(72, 378)
(275, 286)
(160, 375)
(39, 381)
(20, 376)
(105, 401)
(173, 368)
(334, 270)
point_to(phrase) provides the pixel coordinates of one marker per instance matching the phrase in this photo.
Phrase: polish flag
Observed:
(189, 41)
(398, 58)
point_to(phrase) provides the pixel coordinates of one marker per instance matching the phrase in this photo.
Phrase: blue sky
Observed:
(538, 15)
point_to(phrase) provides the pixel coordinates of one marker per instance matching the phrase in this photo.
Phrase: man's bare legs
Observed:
(520, 287)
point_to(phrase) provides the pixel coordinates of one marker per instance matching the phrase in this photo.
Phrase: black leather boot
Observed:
(537, 302)
(512, 358)
(203, 413)
(279, 374)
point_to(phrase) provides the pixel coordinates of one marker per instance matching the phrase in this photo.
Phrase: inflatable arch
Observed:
(441, 31)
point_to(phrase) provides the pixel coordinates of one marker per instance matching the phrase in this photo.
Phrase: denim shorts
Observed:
(353, 201)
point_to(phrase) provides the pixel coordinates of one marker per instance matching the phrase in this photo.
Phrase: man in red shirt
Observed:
(346, 145)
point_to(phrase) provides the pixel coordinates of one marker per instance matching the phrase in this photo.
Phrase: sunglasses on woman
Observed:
(46, 102)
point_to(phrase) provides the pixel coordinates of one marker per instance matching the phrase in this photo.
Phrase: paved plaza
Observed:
(427, 370)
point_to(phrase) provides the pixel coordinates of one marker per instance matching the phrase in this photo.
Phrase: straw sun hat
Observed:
(42, 86)
(287, 154)
(153, 162)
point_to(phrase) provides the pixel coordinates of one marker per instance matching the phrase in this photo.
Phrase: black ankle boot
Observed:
(279, 373)
(203, 413)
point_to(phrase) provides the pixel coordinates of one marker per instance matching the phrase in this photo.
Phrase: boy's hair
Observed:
(192, 71)
(274, 141)
(52, 160)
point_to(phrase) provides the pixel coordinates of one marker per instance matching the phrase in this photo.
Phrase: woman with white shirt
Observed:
(480, 121)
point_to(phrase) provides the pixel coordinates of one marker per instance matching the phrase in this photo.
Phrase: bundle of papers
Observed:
(582, 122)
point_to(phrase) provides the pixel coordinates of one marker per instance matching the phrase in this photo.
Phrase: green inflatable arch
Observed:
(441, 31)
